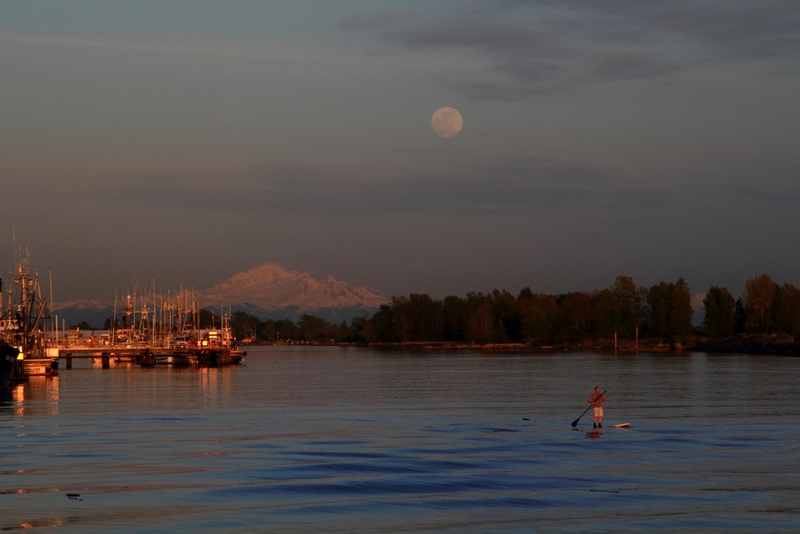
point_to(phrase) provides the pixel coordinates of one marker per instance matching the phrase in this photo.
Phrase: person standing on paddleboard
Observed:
(597, 399)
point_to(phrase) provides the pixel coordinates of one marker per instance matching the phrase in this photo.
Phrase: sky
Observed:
(188, 140)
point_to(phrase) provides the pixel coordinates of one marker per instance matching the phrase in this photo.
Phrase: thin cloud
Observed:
(772, 196)
(743, 28)
(494, 188)
(631, 66)
(135, 45)
(204, 47)
(543, 45)
(371, 20)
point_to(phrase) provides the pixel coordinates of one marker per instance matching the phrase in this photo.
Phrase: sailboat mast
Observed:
(52, 329)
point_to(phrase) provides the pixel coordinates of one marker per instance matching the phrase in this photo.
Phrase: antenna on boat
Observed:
(14, 233)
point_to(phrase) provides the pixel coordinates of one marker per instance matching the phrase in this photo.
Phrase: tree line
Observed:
(764, 308)
(624, 309)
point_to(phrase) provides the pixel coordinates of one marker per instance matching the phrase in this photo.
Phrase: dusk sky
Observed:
(189, 140)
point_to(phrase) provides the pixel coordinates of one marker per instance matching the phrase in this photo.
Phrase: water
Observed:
(327, 439)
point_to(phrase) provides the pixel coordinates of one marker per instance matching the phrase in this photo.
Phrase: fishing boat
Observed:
(237, 356)
(24, 319)
(8, 364)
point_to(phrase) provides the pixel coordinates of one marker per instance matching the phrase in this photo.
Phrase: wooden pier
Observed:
(150, 357)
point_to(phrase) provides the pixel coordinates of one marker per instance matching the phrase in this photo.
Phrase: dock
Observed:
(152, 356)
(151, 330)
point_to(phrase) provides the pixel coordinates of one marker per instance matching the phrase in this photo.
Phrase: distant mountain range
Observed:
(273, 287)
(269, 291)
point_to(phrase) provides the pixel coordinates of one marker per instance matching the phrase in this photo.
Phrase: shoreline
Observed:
(768, 344)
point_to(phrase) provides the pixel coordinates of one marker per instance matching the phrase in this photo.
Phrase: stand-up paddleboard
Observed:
(623, 425)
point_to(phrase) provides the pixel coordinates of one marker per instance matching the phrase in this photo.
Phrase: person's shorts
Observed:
(598, 412)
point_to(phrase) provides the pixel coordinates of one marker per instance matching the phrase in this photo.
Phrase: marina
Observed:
(152, 330)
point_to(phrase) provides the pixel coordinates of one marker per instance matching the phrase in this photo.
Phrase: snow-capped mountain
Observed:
(268, 291)
(272, 288)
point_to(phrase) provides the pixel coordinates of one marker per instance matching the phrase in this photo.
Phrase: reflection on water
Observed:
(329, 439)
(596, 433)
(36, 395)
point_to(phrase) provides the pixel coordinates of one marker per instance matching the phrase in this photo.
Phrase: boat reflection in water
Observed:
(38, 395)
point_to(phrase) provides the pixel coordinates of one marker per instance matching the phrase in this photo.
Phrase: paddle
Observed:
(575, 422)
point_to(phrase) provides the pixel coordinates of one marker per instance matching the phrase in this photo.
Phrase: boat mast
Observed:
(50, 271)
(114, 319)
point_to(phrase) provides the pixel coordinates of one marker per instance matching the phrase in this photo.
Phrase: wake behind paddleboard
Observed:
(623, 425)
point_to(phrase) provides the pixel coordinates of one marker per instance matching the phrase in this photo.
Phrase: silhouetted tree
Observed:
(382, 326)
(605, 313)
(370, 333)
(424, 317)
(266, 331)
(574, 315)
(627, 294)
(525, 293)
(786, 310)
(243, 324)
(507, 316)
(313, 328)
(287, 330)
(669, 309)
(720, 314)
(680, 308)
(759, 292)
(539, 314)
(343, 333)
(454, 310)
(740, 316)
(657, 297)
(480, 321)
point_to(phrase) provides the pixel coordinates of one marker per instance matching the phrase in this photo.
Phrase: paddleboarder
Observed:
(597, 399)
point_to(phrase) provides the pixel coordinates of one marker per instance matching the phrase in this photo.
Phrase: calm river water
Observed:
(328, 439)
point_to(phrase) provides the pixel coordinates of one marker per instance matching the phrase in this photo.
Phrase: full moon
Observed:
(447, 122)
